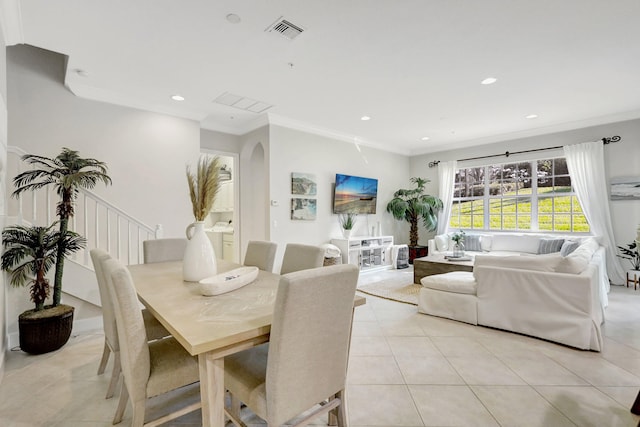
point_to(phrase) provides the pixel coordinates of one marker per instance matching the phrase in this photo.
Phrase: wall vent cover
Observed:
(285, 28)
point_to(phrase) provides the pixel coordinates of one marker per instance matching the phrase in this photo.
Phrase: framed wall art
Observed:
(303, 209)
(303, 184)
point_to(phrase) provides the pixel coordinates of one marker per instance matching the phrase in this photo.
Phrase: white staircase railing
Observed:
(103, 225)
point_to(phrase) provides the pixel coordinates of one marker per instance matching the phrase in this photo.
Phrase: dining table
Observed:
(209, 327)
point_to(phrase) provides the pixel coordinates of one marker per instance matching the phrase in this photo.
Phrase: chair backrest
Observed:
(134, 349)
(309, 342)
(98, 257)
(261, 254)
(163, 250)
(301, 257)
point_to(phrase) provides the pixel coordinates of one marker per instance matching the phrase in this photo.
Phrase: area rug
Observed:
(393, 290)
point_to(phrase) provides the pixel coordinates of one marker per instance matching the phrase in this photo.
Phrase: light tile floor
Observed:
(406, 369)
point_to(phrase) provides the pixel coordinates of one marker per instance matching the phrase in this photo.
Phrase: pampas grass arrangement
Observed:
(204, 185)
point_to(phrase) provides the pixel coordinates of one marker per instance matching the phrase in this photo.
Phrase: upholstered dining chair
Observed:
(111, 346)
(163, 250)
(261, 254)
(305, 362)
(301, 257)
(149, 368)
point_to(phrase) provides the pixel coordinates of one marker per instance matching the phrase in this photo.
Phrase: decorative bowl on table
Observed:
(228, 281)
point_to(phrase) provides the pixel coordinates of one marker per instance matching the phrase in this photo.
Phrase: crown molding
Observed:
(11, 22)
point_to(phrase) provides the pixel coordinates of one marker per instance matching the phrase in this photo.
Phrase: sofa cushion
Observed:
(459, 282)
(577, 261)
(528, 262)
(515, 243)
(548, 246)
(472, 242)
(569, 246)
(485, 242)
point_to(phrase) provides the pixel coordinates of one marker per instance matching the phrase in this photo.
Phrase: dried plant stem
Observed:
(204, 185)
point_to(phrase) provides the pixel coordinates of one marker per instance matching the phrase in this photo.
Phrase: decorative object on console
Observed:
(199, 257)
(347, 221)
(412, 204)
(303, 184)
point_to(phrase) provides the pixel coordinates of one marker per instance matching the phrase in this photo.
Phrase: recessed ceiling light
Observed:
(531, 116)
(425, 138)
(365, 118)
(177, 98)
(233, 18)
(489, 81)
(81, 73)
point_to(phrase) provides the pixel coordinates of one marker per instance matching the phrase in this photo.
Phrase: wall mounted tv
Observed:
(355, 194)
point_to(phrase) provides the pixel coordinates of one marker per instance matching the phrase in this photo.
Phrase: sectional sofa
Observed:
(547, 286)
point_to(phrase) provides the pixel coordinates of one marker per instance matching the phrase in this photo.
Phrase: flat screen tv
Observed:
(355, 194)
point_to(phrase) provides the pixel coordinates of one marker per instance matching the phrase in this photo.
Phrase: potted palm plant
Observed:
(67, 173)
(411, 205)
(29, 254)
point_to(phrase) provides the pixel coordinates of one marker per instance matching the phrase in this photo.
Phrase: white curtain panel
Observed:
(586, 167)
(446, 179)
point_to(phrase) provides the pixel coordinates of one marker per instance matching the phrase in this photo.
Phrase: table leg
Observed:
(212, 389)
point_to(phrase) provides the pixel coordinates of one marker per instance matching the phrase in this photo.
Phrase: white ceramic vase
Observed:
(346, 233)
(199, 257)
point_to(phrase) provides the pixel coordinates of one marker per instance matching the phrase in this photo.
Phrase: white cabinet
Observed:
(367, 253)
(224, 198)
(227, 246)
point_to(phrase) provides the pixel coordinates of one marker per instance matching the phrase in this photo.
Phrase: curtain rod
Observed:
(605, 141)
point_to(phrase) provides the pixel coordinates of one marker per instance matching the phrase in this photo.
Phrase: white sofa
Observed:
(550, 296)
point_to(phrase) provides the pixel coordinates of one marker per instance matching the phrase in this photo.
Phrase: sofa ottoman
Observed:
(452, 295)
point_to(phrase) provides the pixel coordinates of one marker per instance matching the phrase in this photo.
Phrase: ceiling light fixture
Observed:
(489, 81)
(365, 118)
(81, 72)
(531, 116)
(425, 138)
(177, 98)
(233, 18)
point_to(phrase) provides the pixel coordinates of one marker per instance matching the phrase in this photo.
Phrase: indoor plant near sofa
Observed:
(347, 222)
(411, 205)
(67, 173)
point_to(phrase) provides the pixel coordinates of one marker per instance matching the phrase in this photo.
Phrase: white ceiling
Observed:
(414, 66)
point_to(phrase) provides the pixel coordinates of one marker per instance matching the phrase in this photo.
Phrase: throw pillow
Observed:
(472, 242)
(442, 242)
(515, 243)
(568, 246)
(548, 246)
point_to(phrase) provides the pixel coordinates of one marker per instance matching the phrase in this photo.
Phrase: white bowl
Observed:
(228, 281)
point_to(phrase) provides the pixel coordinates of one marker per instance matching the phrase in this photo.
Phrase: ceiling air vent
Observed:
(285, 28)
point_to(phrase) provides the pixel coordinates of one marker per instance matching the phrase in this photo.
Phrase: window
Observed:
(523, 196)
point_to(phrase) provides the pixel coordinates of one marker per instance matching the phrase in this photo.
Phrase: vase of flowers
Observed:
(199, 259)
(458, 244)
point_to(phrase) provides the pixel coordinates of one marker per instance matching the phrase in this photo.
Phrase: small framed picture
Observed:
(303, 209)
(303, 184)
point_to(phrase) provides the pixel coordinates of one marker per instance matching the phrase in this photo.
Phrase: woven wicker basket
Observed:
(46, 330)
(332, 261)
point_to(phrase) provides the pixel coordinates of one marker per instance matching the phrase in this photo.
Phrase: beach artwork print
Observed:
(625, 188)
(303, 209)
(303, 184)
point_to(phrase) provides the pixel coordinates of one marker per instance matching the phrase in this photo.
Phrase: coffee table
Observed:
(437, 264)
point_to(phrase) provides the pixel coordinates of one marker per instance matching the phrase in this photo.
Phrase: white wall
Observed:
(3, 180)
(622, 158)
(146, 152)
(296, 151)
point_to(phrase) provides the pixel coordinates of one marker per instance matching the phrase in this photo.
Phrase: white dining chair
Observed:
(261, 254)
(304, 365)
(301, 257)
(149, 368)
(163, 250)
(111, 346)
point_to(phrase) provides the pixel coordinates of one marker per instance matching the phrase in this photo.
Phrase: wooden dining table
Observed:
(209, 327)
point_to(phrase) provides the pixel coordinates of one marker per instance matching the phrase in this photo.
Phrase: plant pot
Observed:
(417, 252)
(346, 233)
(45, 330)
